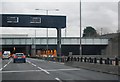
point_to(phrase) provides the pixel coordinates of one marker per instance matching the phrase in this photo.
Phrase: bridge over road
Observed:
(26, 44)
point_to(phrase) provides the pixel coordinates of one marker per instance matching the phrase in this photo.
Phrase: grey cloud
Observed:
(101, 15)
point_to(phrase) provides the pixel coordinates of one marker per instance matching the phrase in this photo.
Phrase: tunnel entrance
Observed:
(41, 49)
(16, 49)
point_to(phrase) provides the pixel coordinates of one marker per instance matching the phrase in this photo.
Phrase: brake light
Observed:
(23, 56)
(15, 56)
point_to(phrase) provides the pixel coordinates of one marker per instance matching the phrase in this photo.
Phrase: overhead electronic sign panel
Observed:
(39, 21)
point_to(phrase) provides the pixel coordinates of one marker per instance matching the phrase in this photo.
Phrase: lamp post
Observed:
(101, 31)
(65, 32)
(47, 12)
(33, 49)
(80, 31)
(35, 42)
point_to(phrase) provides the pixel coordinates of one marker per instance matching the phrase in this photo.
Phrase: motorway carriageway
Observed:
(36, 69)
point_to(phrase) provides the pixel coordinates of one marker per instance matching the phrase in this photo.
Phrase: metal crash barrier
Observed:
(107, 61)
(94, 60)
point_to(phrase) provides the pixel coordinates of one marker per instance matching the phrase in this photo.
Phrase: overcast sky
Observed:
(96, 14)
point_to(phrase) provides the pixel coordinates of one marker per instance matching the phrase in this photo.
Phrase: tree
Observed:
(89, 32)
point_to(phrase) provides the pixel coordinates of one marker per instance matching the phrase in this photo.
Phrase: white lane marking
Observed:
(33, 64)
(39, 67)
(58, 79)
(62, 63)
(43, 70)
(21, 71)
(37, 59)
(5, 65)
(68, 69)
(28, 61)
(63, 69)
(56, 62)
(1, 69)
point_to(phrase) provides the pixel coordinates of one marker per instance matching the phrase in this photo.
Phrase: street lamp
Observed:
(47, 12)
(33, 49)
(35, 42)
(80, 31)
(101, 31)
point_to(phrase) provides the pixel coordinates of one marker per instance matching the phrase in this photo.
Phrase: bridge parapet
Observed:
(52, 41)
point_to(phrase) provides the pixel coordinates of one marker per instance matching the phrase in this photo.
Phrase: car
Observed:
(19, 57)
(5, 56)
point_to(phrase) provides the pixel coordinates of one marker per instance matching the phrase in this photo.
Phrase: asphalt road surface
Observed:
(36, 69)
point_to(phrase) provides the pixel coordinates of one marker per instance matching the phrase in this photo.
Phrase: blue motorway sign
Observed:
(39, 21)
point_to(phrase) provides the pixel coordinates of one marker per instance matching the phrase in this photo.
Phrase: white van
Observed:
(6, 55)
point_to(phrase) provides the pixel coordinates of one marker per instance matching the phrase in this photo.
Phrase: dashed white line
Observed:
(39, 67)
(28, 61)
(33, 64)
(46, 71)
(1, 69)
(43, 70)
(5, 65)
(58, 79)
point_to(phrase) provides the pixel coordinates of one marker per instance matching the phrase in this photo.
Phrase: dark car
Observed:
(19, 57)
